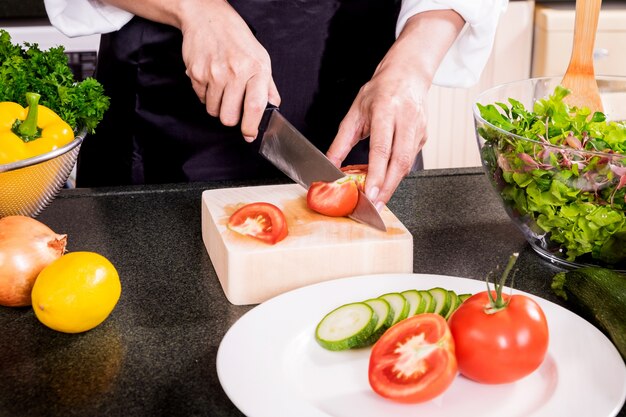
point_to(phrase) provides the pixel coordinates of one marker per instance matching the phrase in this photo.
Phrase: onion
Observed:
(26, 247)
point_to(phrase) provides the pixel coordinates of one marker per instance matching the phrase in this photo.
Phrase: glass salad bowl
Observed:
(560, 172)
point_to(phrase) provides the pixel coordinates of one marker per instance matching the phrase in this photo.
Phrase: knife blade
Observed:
(285, 147)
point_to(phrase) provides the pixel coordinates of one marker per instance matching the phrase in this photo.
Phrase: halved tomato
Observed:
(336, 199)
(414, 360)
(263, 221)
(358, 173)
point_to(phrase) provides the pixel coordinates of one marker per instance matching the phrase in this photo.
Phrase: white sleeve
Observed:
(465, 60)
(85, 17)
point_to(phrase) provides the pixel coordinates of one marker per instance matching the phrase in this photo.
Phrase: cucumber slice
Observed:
(398, 304)
(454, 303)
(429, 303)
(441, 297)
(385, 318)
(346, 326)
(463, 297)
(415, 301)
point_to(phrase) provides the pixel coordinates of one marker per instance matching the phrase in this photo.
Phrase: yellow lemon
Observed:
(76, 292)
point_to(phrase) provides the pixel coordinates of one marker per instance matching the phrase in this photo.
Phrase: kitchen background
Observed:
(534, 39)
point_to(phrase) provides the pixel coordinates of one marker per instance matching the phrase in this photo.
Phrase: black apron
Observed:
(157, 131)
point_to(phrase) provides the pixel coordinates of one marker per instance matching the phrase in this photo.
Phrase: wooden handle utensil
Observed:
(580, 76)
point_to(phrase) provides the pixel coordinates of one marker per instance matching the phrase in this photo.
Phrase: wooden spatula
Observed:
(580, 77)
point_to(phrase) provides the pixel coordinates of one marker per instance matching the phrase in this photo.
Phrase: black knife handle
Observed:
(265, 120)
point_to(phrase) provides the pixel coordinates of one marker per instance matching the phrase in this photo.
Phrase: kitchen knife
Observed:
(285, 147)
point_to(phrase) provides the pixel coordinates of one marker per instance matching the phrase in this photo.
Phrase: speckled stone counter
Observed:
(155, 355)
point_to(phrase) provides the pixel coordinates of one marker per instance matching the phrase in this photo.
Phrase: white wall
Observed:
(452, 142)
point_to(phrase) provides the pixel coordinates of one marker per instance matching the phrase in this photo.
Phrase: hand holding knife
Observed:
(285, 147)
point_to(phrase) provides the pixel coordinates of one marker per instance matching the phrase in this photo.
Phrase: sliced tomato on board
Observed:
(263, 221)
(336, 199)
(414, 360)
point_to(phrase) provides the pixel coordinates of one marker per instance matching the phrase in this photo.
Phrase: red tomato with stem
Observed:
(414, 360)
(336, 199)
(499, 338)
(263, 221)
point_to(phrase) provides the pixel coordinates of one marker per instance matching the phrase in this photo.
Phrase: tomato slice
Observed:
(414, 360)
(263, 221)
(336, 199)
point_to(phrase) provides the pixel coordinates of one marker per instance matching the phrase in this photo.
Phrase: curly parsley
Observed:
(29, 69)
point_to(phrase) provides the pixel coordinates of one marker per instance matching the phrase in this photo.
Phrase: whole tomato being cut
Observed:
(499, 338)
(336, 199)
(262, 221)
(358, 173)
(414, 360)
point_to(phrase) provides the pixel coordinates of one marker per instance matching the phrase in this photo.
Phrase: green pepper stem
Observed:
(28, 128)
(498, 303)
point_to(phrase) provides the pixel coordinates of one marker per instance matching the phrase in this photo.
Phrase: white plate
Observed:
(270, 365)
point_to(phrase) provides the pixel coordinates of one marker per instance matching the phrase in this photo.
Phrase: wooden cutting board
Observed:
(317, 248)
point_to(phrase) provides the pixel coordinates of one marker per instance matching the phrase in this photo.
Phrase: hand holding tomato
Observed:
(499, 338)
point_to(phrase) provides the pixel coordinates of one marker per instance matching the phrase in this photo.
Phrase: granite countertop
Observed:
(156, 354)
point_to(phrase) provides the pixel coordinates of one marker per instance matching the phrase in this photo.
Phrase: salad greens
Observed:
(567, 180)
(29, 69)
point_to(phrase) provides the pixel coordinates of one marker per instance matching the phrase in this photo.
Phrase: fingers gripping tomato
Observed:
(414, 360)
(499, 338)
(336, 199)
(263, 221)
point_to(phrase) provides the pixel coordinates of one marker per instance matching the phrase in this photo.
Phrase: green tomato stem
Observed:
(497, 304)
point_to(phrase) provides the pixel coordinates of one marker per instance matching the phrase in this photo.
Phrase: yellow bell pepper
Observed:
(31, 131)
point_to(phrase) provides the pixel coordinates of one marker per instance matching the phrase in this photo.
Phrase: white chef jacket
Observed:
(461, 66)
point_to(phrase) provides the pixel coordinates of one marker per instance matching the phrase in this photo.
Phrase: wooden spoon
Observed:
(580, 77)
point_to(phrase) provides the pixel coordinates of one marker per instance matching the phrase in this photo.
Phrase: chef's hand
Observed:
(391, 110)
(229, 69)
(391, 107)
